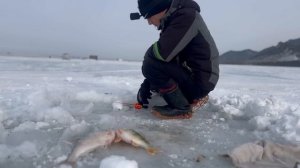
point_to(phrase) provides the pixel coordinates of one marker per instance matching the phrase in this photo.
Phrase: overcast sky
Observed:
(102, 27)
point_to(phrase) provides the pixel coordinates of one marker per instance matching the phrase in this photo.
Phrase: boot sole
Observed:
(200, 104)
(184, 117)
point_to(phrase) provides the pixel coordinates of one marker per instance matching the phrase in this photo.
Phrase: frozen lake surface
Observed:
(46, 105)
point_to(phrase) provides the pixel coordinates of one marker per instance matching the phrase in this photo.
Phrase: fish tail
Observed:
(152, 151)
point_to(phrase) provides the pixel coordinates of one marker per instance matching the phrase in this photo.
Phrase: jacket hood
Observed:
(189, 4)
(176, 5)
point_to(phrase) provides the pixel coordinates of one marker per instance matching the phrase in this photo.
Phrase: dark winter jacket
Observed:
(185, 37)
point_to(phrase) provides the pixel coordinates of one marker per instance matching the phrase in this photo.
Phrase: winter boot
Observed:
(198, 103)
(178, 107)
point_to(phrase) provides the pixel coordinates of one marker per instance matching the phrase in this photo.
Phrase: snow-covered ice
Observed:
(46, 105)
(118, 162)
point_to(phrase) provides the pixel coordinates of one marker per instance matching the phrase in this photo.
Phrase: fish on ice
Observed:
(89, 144)
(134, 138)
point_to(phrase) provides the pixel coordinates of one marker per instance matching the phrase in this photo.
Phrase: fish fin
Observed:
(134, 144)
(152, 151)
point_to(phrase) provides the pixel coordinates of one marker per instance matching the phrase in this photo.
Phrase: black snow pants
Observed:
(163, 75)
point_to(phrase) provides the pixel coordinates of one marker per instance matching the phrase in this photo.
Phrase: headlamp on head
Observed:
(135, 16)
(149, 8)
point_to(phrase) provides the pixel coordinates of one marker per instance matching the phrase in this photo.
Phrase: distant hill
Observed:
(283, 54)
(237, 57)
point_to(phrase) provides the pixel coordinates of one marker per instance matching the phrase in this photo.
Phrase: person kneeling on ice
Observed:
(183, 65)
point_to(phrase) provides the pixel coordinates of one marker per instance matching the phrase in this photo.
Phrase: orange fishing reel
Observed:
(138, 106)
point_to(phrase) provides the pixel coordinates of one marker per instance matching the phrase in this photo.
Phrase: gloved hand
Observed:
(144, 94)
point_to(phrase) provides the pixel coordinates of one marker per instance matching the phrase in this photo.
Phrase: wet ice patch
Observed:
(118, 162)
